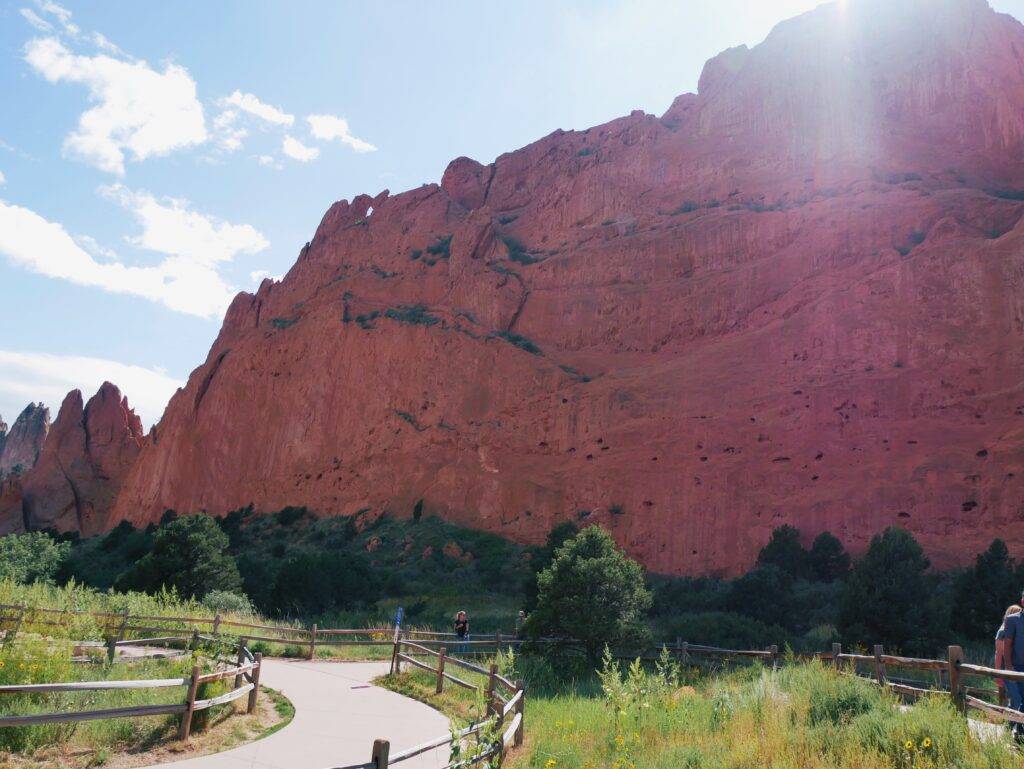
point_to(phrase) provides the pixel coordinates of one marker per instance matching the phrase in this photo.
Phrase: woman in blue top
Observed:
(1013, 690)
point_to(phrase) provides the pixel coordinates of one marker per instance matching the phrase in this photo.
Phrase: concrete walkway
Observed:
(338, 714)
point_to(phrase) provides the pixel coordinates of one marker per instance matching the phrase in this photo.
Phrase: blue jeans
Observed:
(1015, 691)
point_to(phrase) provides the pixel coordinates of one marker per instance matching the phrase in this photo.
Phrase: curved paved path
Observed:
(338, 714)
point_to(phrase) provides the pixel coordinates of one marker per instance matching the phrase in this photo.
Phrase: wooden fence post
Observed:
(685, 652)
(956, 656)
(255, 692)
(379, 757)
(194, 643)
(774, 649)
(497, 641)
(240, 660)
(111, 649)
(440, 671)
(521, 710)
(124, 626)
(489, 694)
(216, 624)
(312, 642)
(837, 649)
(879, 665)
(190, 705)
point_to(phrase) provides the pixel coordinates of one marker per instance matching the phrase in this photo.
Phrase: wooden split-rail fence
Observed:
(245, 672)
(504, 700)
(952, 676)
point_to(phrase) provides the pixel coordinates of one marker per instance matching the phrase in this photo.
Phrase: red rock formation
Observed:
(796, 297)
(20, 447)
(81, 465)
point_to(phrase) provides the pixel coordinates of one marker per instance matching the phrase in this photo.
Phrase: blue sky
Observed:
(158, 157)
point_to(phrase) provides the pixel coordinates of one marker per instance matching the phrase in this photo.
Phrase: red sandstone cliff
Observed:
(81, 465)
(19, 447)
(796, 297)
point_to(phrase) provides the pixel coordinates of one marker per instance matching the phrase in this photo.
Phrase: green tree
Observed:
(827, 559)
(785, 552)
(312, 583)
(982, 592)
(31, 557)
(765, 594)
(888, 597)
(190, 554)
(542, 558)
(593, 593)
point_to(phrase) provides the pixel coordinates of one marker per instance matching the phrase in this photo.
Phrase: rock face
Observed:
(796, 297)
(80, 467)
(19, 448)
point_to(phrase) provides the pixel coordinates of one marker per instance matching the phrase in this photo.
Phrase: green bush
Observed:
(190, 555)
(31, 557)
(225, 602)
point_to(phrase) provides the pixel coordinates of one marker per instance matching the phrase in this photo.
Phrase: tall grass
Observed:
(801, 716)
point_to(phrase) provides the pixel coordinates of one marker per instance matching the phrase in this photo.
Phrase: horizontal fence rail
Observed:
(245, 673)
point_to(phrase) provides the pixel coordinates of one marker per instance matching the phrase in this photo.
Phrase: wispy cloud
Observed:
(36, 20)
(3, 179)
(296, 150)
(33, 376)
(138, 109)
(334, 128)
(267, 112)
(188, 279)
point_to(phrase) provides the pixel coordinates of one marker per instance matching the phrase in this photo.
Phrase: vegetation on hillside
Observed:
(357, 570)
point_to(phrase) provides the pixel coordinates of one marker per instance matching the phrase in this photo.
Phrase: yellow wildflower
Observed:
(926, 743)
(550, 764)
(908, 745)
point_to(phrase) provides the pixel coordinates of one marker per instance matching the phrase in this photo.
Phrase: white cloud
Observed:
(249, 103)
(34, 376)
(296, 150)
(332, 127)
(257, 276)
(228, 136)
(36, 20)
(138, 109)
(90, 244)
(3, 179)
(187, 279)
(59, 12)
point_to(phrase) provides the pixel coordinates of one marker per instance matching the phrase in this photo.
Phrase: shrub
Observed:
(288, 516)
(224, 602)
(685, 208)
(441, 248)
(416, 314)
(516, 251)
(518, 340)
(785, 552)
(31, 557)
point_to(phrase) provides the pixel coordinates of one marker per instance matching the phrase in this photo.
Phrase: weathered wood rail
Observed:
(247, 682)
(505, 702)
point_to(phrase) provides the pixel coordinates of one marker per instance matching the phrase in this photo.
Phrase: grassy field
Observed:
(802, 716)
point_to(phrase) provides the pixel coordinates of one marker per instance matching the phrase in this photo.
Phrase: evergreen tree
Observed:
(982, 592)
(542, 558)
(189, 554)
(593, 593)
(888, 597)
(827, 559)
(785, 552)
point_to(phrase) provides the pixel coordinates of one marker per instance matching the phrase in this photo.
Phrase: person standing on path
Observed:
(1010, 656)
(462, 631)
